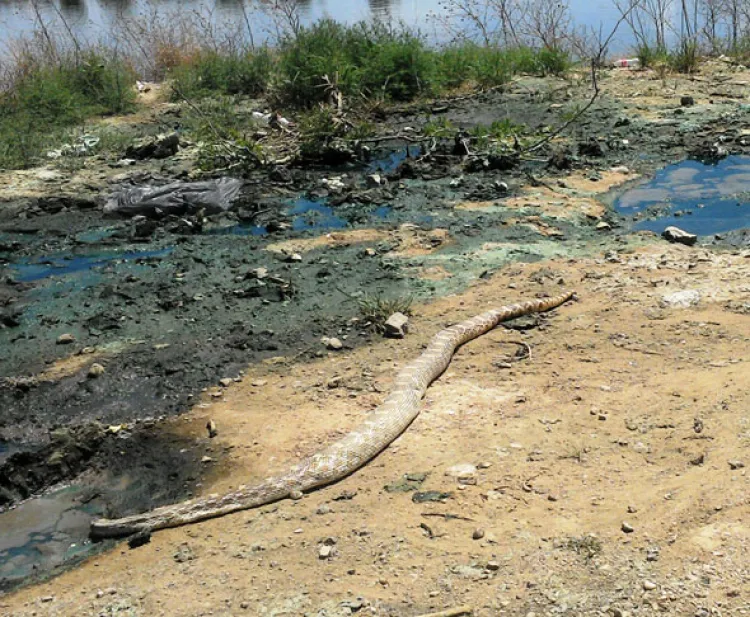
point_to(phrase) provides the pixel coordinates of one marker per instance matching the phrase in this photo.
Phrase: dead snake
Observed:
(343, 457)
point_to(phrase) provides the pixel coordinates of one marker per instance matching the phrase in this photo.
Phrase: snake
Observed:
(382, 426)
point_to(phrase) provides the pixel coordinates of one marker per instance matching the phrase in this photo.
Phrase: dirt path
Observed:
(610, 472)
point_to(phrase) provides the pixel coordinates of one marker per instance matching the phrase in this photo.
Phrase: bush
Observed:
(45, 99)
(552, 61)
(363, 59)
(210, 73)
(648, 56)
(685, 58)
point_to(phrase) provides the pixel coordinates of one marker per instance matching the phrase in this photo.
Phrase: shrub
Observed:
(210, 72)
(648, 56)
(685, 58)
(363, 59)
(46, 98)
(552, 61)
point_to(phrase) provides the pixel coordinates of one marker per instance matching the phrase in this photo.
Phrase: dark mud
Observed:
(170, 305)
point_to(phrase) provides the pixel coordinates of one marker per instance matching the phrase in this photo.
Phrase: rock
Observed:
(259, 273)
(66, 339)
(211, 428)
(294, 258)
(603, 226)
(95, 370)
(226, 381)
(500, 186)
(592, 147)
(334, 344)
(681, 299)
(323, 509)
(493, 566)
(675, 234)
(396, 325)
(649, 585)
(206, 459)
(334, 184)
(184, 553)
(456, 182)
(159, 147)
(736, 465)
(627, 527)
(47, 598)
(325, 551)
(687, 101)
(464, 473)
(477, 534)
(374, 180)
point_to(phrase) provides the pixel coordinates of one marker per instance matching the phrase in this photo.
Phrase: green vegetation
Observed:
(684, 59)
(209, 73)
(44, 100)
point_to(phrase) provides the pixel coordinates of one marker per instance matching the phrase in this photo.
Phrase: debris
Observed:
(675, 234)
(427, 496)
(396, 326)
(210, 196)
(450, 612)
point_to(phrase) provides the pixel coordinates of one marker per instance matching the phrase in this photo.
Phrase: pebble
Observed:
(396, 325)
(206, 459)
(736, 465)
(649, 585)
(324, 552)
(627, 527)
(493, 566)
(477, 534)
(47, 598)
(323, 509)
(603, 226)
(95, 370)
(66, 339)
(334, 344)
(681, 299)
(294, 257)
(225, 381)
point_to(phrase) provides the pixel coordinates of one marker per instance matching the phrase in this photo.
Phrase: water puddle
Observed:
(44, 533)
(311, 214)
(28, 271)
(393, 159)
(701, 198)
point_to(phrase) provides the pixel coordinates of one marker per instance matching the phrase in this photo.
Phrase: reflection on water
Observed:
(700, 198)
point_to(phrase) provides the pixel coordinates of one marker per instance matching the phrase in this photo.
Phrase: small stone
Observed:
(736, 465)
(99, 594)
(603, 226)
(206, 459)
(687, 101)
(501, 187)
(493, 566)
(244, 605)
(374, 180)
(370, 252)
(477, 534)
(396, 325)
(259, 273)
(95, 370)
(627, 527)
(675, 234)
(323, 509)
(649, 585)
(211, 428)
(324, 552)
(225, 381)
(66, 339)
(47, 598)
(294, 257)
(462, 472)
(334, 344)
(632, 509)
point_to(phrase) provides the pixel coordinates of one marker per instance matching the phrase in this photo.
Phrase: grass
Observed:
(44, 100)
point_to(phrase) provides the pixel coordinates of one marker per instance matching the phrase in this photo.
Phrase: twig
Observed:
(450, 612)
(448, 516)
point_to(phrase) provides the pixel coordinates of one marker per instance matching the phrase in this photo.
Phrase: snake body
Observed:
(352, 451)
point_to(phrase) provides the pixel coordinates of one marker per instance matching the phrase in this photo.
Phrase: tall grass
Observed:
(40, 98)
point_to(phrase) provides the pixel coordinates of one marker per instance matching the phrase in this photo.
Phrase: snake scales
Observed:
(355, 449)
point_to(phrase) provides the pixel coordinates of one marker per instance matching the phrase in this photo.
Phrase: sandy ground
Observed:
(629, 414)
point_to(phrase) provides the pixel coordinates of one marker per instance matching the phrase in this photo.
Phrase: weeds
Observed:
(685, 58)
(649, 56)
(209, 73)
(376, 309)
(45, 99)
(588, 546)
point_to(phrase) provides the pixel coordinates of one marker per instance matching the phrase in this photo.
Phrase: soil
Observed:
(611, 472)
